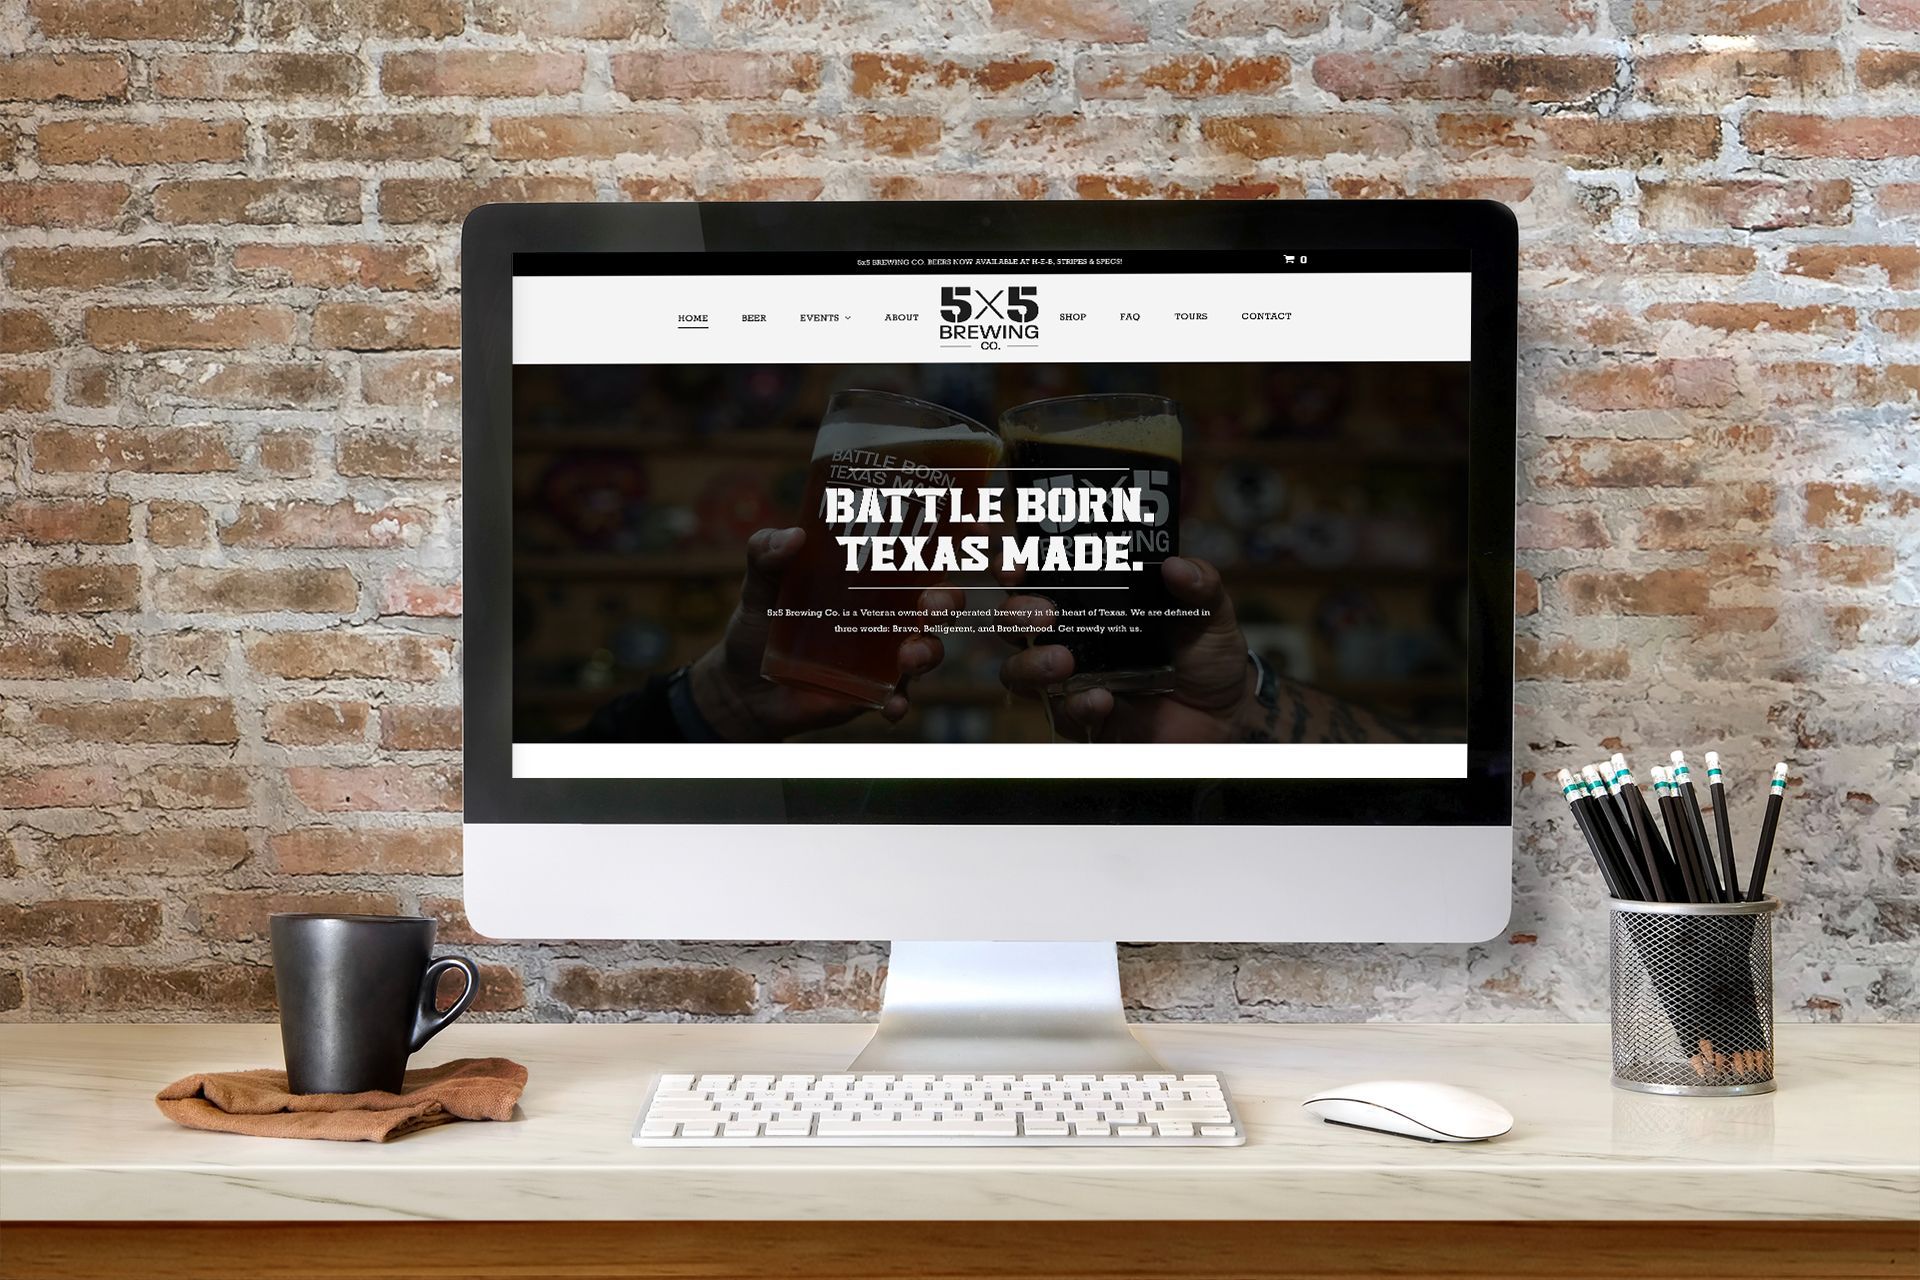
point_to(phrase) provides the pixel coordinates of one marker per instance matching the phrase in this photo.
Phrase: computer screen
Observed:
(1138, 515)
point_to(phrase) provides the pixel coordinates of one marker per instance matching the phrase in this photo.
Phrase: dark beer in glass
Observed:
(869, 440)
(1106, 442)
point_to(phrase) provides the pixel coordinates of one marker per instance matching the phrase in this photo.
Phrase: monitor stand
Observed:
(1004, 1007)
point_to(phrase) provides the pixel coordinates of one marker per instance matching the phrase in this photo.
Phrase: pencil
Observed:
(1576, 801)
(1676, 833)
(1722, 826)
(1611, 824)
(1665, 869)
(1775, 794)
(1636, 818)
(1697, 831)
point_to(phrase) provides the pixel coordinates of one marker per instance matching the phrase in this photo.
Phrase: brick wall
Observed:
(229, 426)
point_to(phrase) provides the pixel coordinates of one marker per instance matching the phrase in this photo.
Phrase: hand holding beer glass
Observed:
(831, 642)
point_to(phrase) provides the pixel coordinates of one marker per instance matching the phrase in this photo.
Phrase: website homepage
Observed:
(1151, 515)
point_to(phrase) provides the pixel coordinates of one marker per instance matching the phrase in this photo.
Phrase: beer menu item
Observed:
(865, 517)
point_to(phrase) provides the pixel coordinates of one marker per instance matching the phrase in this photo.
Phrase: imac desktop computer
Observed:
(1003, 579)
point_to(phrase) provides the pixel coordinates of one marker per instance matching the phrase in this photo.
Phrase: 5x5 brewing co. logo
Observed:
(989, 316)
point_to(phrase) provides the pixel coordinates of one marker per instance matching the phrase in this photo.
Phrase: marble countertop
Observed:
(80, 1138)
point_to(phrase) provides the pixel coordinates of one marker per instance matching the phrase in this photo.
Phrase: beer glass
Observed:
(869, 440)
(1106, 442)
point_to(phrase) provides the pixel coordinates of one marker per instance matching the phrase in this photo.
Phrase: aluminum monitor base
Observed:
(1004, 1007)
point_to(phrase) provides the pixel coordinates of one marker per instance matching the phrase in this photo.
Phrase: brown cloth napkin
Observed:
(256, 1103)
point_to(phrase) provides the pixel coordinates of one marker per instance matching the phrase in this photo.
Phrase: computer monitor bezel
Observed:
(493, 234)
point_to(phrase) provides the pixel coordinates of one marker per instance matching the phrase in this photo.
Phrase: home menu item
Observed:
(1146, 515)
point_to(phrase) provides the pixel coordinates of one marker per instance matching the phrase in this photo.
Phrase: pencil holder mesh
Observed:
(1693, 997)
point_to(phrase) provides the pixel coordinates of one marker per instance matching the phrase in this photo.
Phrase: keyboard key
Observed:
(658, 1129)
(707, 1130)
(1216, 1131)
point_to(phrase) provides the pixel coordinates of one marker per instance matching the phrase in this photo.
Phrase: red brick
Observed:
(1596, 258)
(502, 990)
(710, 991)
(1584, 142)
(764, 188)
(1265, 137)
(162, 449)
(174, 141)
(1895, 15)
(960, 186)
(311, 655)
(653, 188)
(450, 915)
(163, 851)
(138, 988)
(246, 77)
(1888, 69)
(172, 720)
(1103, 21)
(22, 330)
(1554, 528)
(717, 74)
(409, 200)
(1890, 384)
(284, 453)
(405, 727)
(178, 524)
(1903, 323)
(181, 264)
(1500, 17)
(1868, 265)
(88, 588)
(96, 521)
(394, 454)
(1757, 317)
(258, 201)
(364, 138)
(1474, 76)
(46, 203)
(216, 380)
(381, 788)
(26, 390)
(1747, 204)
(1190, 75)
(1658, 384)
(406, 592)
(575, 19)
(898, 136)
(1563, 660)
(1618, 464)
(80, 922)
(55, 77)
(242, 917)
(1105, 186)
(335, 851)
(556, 136)
(386, 326)
(752, 137)
(186, 653)
(314, 722)
(336, 266)
(1851, 566)
(479, 73)
(893, 75)
(1526, 594)
(1727, 75)
(1212, 19)
(200, 328)
(319, 524)
(1728, 514)
(200, 20)
(288, 590)
(1091, 139)
(1831, 504)
(805, 986)
(1737, 17)
(92, 386)
(358, 19)
(1653, 593)
(30, 655)
(193, 787)
(70, 786)
(1812, 137)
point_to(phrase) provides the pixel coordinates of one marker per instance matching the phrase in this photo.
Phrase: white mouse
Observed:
(1415, 1108)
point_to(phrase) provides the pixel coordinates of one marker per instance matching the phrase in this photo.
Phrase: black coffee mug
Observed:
(357, 997)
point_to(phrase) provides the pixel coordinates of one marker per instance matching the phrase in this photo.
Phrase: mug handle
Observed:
(426, 1023)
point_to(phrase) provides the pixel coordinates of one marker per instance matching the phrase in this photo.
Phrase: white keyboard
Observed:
(850, 1110)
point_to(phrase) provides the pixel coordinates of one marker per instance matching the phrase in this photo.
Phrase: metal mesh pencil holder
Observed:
(1693, 997)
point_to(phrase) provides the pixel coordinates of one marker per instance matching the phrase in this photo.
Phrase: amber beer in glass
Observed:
(869, 440)
(1107, 442)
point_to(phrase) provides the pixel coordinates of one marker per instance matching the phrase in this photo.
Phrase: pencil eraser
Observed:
(1713, 759)
(1678, 757)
